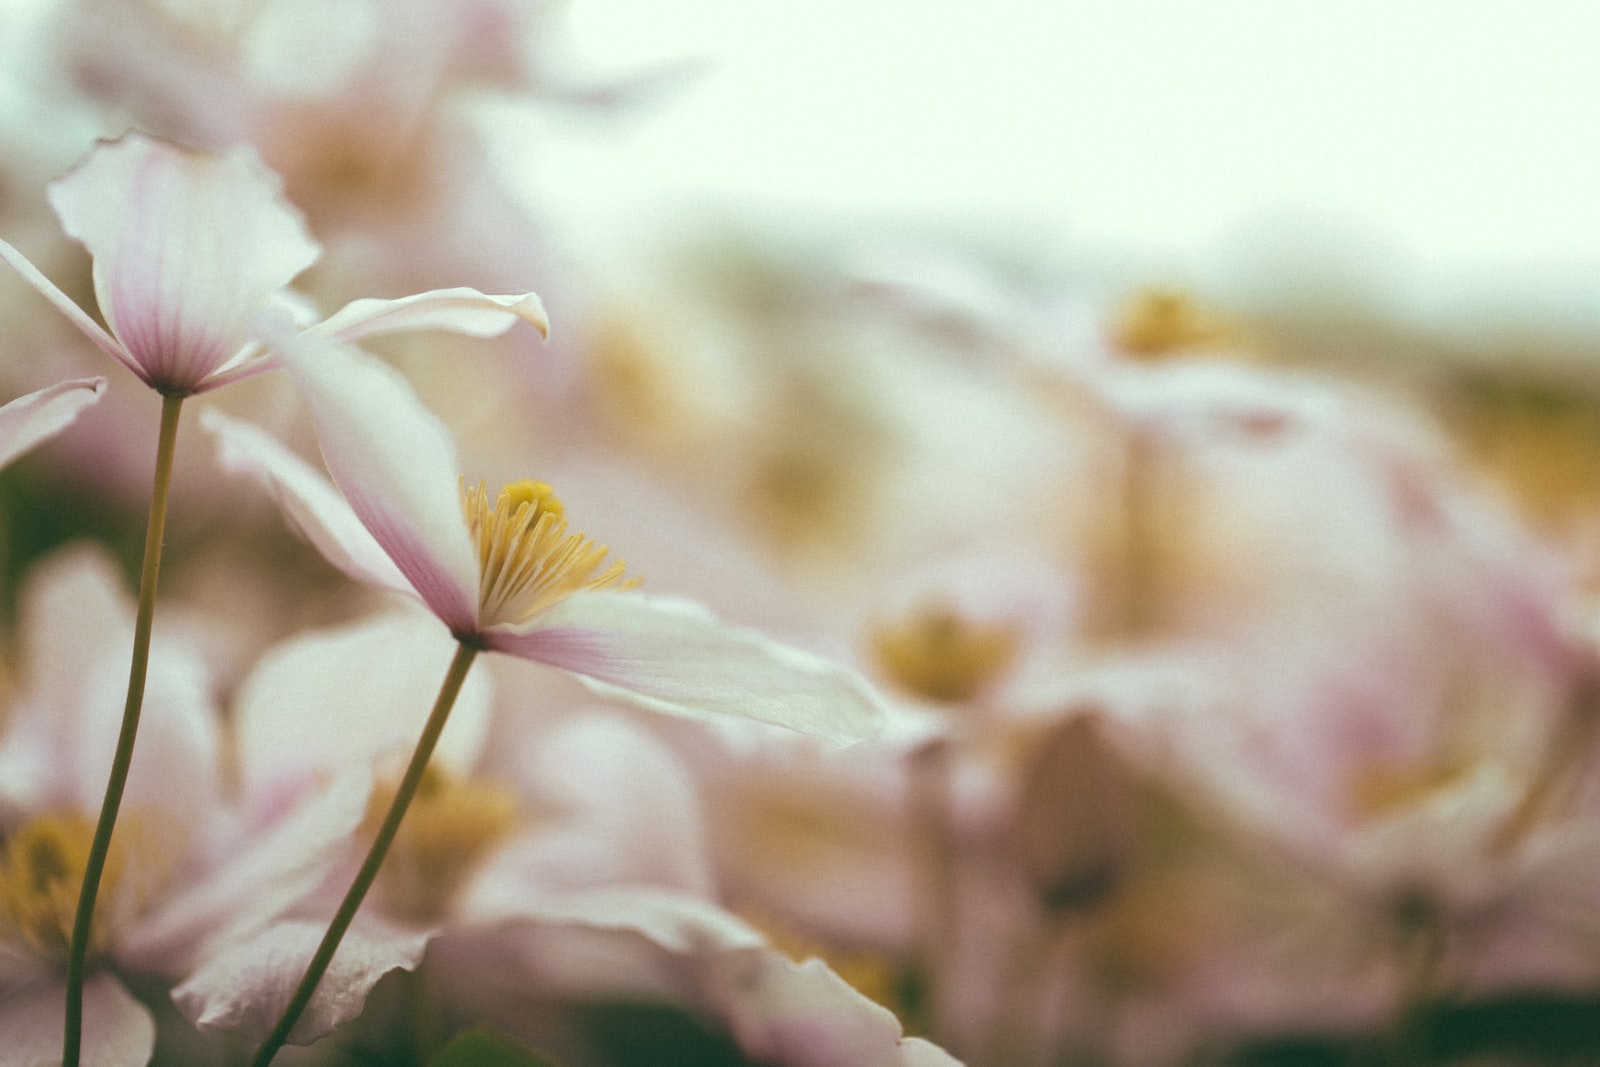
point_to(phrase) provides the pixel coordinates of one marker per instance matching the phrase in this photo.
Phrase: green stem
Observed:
(94, 868)
(369, 866)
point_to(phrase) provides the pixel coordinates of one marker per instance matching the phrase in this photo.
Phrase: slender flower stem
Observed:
(144, 620)
(369, 866)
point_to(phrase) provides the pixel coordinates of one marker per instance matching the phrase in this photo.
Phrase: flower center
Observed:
(450, 828)
(527, 560)
(1159, 324)
(939, 655)
(41, 872)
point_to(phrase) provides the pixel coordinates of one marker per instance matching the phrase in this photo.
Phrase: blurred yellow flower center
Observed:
(41, 872)
(528, 562)
(1157, 324)
(940, 656)
(450, 828)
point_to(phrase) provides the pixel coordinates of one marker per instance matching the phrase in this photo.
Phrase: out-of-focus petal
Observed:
(75, 314)
(915, 1052)
(30, 419)
(804, 1015)
(186, 248)
(678, 922)
(310, 501)
(675, 656)
(245, 987)
(459, 310)
(378, 674)
(394, 462)
(269, 873)
(599, 770)
(117, 1029)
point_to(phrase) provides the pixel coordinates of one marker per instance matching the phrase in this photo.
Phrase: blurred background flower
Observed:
(1188, 417)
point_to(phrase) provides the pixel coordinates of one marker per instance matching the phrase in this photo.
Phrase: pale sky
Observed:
(1450, 149)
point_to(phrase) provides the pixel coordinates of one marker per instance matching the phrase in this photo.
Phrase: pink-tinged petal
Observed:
(377, 673)
(186, 248)
(271, 871)
(33, 418)
(309, 501)
(117, 1029)
(675, 656)
(599, 770)
(75, 314)
(245, 986)
(395, 464)
(457, 310)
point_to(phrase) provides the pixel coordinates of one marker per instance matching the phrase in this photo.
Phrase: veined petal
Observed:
(186, 247)
(311, 503)
(245, 985)
(675, 656)
(459, 310)
(395, 464)
(30, 419)
(75, 314)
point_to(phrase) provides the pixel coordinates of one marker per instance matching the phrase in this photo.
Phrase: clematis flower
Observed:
(503, 572)
(184, 863)
(187, 247)
(37, 416)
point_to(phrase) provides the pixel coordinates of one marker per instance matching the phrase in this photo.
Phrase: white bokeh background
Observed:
(1440, 158)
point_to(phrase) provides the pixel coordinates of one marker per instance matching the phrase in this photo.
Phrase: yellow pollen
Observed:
(1156, 324)
(940, 656)
(527, 560)
(539, 494)
(450, 828)
(41, 872)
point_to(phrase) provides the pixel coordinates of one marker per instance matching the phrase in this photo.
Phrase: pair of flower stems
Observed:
(122, 760)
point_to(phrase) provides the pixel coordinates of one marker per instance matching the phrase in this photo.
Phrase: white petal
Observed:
(117, 1030)
(309, 501)
(33, 418)
(675, 656)
(915, 1052)
(395, 464)
(246, 986)
(77, 609)
(598, 770)
(457, 310)
(275, 869)
(186, 247)
(678, 922)
(321, 702)
(804, 1015)
(75, 314)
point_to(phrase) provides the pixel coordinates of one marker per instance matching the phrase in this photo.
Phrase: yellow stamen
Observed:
(41, 872)
(451, 827)
(528, 561)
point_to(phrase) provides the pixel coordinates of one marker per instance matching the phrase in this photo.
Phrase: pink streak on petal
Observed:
(411, 553)
(311, 504)
(395, 464)
(186, 246)
(75, 314)
(674, 656)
